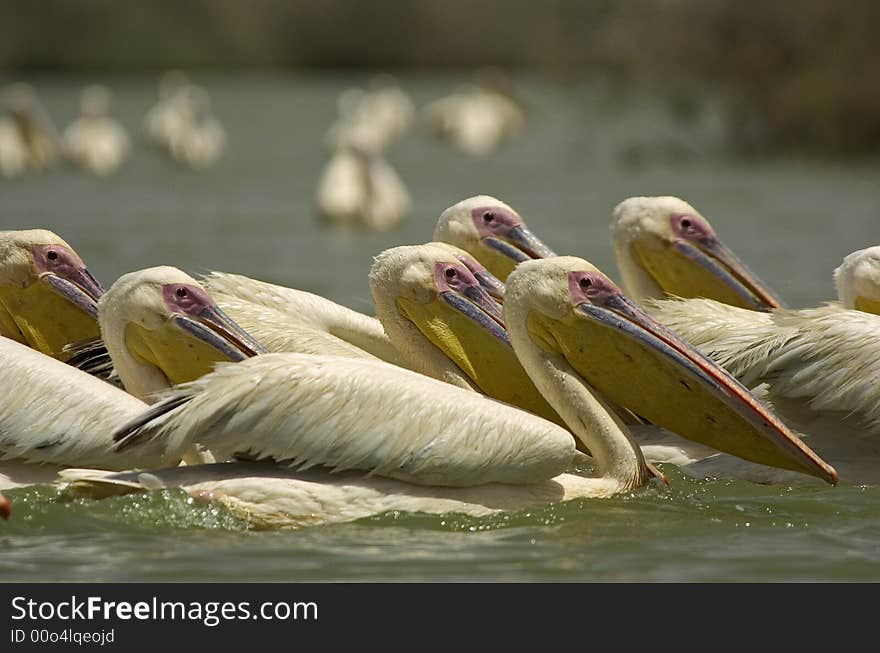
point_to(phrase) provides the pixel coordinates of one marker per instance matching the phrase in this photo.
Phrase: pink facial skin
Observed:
(591, 288)
(494, 220)
(453, 277)
(691, 227)
(65, 264)
(57, 260)
(182, 298)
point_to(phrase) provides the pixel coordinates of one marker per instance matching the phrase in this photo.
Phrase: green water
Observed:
(793, 221)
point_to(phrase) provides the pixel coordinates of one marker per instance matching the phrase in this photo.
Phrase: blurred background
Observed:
(313, 134)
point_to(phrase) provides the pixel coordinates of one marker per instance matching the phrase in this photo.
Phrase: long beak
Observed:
(480, 308)
(657, 375)
(519, 244)
(218, 330)
(705, 269)
(83, 291)
(720, 260)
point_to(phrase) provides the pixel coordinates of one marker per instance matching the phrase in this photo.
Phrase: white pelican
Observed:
(165, 117)
(313, 315)
(816, 366)
(372, 118)
(95, 141)
(28, 138)
(48, 298)
(196, 138)
(663, 246)
(437, 447)
(447, 326)
(490, 231)
(359, 187)
(160, 329)
(477, 118)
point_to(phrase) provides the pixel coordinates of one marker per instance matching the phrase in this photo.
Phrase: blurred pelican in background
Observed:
(29, 139)
(373, 118)
(96, 141)
(165, 117)
(199, 139)
(479, 117)
(182, 123)
(359, 187)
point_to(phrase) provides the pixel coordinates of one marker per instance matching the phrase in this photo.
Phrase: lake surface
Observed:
(584, 151)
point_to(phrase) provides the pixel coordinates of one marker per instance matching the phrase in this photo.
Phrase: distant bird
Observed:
(164, 117)
(359, 187)
(199, 139)
(95, 141)
(477, 118)
(374, 118)
(181, 122)
(29, 141)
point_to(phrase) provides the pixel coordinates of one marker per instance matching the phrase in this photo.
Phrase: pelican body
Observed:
(95, 141)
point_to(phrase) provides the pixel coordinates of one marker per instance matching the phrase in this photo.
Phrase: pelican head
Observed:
(435, 310)
(664, 246)
(569, 309)
(858, 280)
(48, 298)
(94, 101)
(491, 232)
(161, 328)
(434, 289)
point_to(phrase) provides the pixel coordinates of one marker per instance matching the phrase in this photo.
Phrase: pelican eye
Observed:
(181, 292)
(52, 255)
(585, 283)
(450, 273)
(685, 223)
(488, 217)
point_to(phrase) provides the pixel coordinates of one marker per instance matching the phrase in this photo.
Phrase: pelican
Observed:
(477, 118)
(490, 231)
(316, 317)
(28, 138)
(434, 316)
(95, 141)
(372, 118)
(48, 298)
(164, 119)
(663, 246)
(359, 187)
(159, 327)
(196, 138)
(431, 447)
(816, 366)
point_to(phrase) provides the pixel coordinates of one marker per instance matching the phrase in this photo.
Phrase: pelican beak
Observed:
(867, 305)
(705, 268)
(187, 347)
(492, 284)
(52, 312)
(79, 288)
(636, 362)
(517, 245)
